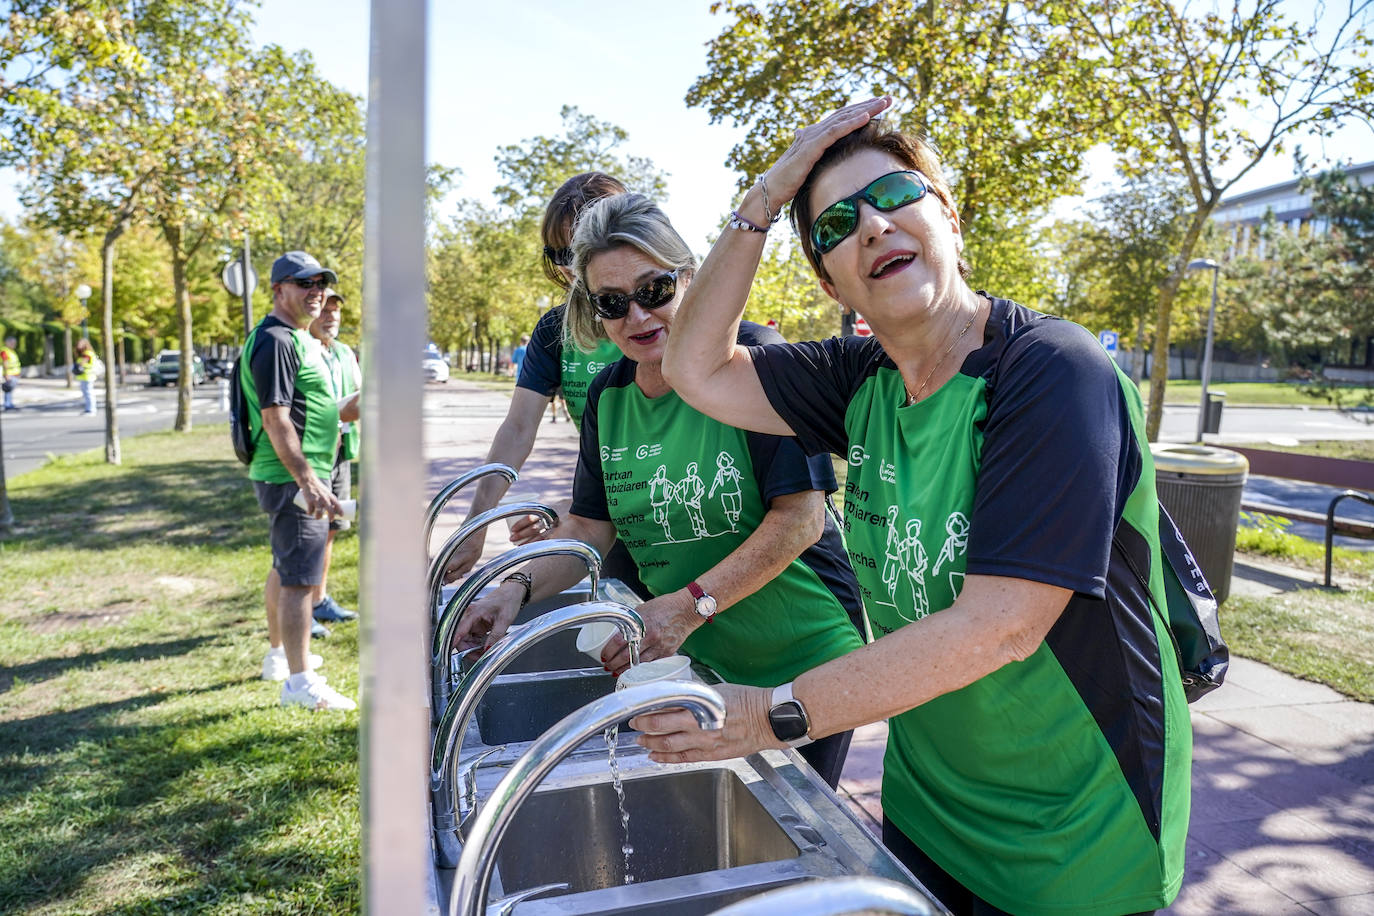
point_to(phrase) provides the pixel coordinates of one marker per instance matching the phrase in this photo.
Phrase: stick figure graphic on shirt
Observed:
(689, 491)
(727, 479)
(956, 526)
(892, 561)
(660, 496)
(915, 561)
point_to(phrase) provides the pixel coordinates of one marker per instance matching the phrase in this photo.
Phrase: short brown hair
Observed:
(915, 151)
(562, 211)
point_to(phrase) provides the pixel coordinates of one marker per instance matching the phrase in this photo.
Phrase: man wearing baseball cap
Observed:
(290, 393)
(348, 377)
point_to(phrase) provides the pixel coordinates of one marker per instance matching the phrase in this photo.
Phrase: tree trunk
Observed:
(1138, 360)
(1159, 372)
(107, 252)
(182, 296)
(67, 352)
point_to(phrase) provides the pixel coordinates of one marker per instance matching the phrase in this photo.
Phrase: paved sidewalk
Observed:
(1283, 774)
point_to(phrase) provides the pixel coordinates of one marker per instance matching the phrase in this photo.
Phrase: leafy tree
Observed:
(1003, 90)
(785, 290)
(1190, 80)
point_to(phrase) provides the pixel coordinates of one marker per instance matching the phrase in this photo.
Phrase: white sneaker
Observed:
(276, 668)
(313, 693)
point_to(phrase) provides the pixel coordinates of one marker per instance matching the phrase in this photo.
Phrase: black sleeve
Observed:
(811, 383)
(781, 467)
(542, 369)
(274, 365)
(589, 488)
(1058, 461)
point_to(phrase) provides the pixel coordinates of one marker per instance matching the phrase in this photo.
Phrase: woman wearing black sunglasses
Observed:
(1000, 505)
(552, 364)
(730, 529)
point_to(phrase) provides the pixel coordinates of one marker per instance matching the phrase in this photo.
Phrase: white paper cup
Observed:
(594, 636)
(671, 668)
(349, 506)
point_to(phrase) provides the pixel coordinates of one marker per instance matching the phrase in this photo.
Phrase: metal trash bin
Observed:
(1201, 486)
(1215, 401)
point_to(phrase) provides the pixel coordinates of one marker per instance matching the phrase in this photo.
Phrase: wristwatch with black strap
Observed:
(788, 718)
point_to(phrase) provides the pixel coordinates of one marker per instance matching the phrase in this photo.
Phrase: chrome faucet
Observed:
(473, 878)
(435, 578)
(447, 625)
(451, 786)
(836, 897)
(436, 505)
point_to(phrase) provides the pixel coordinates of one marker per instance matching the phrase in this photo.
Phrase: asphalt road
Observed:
(50, 421)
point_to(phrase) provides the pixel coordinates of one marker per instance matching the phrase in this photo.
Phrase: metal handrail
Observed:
(1331, 524)
(450, 489)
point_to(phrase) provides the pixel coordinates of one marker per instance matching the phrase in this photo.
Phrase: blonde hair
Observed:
(622, 220)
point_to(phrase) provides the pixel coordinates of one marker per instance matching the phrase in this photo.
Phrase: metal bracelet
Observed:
(768, 210)
(525, 580)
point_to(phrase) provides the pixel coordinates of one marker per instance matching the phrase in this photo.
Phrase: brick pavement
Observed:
(1283, 774)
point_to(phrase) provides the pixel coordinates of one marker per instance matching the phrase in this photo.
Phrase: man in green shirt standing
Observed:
(347, 378)
(290, 392)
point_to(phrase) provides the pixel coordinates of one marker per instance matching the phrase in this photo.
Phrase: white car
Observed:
(434, 367)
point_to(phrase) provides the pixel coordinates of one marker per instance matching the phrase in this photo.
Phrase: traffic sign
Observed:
(1108, 340)
(232, 278)
(861, 328)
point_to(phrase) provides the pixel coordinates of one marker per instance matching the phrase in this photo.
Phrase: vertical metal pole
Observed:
(247, 290)
(395, 729)
(1207, 354)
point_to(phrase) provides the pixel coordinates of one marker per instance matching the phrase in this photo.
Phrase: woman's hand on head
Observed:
(785, 176)
(673, 736)
(666, 627)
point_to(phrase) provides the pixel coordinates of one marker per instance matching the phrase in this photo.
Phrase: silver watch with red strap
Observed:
(705, 604)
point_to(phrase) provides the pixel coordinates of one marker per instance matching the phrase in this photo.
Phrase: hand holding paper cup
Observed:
(669, 668)
(594, 636)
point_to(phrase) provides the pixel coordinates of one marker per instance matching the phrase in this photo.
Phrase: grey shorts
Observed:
(341, 483)
(298, 541)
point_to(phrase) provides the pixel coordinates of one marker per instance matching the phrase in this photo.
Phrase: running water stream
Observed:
(611, 734)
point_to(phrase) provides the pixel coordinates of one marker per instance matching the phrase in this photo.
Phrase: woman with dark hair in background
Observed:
(551, 364)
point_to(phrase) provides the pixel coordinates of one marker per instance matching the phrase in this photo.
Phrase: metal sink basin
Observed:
(681, 823)
(522, 707)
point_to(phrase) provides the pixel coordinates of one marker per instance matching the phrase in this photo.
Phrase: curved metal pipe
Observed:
(835, 897)
(454, 722)
(435, 578)
(472, 879)
(436, 505)
(447, 624)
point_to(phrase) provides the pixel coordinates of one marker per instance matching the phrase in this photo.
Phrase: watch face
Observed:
(787, 721)
(706, 605)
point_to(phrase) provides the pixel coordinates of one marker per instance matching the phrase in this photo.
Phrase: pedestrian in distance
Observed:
(84, 373)
(347, 378)
(290, 392)
(517, 356)
(9, 371)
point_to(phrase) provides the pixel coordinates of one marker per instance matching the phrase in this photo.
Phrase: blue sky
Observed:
(499, 72)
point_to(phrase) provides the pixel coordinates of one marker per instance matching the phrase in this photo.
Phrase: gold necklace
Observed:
(913, 398)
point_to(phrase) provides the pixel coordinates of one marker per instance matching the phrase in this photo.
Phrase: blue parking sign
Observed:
(1108, 340)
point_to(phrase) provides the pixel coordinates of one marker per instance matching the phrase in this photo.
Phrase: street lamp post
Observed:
(1215, 268)
(83, 292)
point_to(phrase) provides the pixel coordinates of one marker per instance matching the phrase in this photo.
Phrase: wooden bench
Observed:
(1355, 477)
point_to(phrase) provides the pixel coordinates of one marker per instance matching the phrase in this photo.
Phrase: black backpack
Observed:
(1191, 610)
(240, 426)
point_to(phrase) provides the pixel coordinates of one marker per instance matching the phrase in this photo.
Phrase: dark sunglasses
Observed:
(320, 282)
(658, 291)
(562, 257)
(840, 219)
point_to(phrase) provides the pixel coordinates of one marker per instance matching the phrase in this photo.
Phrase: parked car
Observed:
(165, 369)
(434, 366)
(218, 368)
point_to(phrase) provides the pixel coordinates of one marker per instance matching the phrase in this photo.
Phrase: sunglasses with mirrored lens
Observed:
(658, 291)
(320, 282)
(561, 257)
(840, 219)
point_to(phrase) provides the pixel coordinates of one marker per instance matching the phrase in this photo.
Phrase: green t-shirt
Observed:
(1059, 784)
(552, 361)
(287, 368)
(684, 492)
(347, 377)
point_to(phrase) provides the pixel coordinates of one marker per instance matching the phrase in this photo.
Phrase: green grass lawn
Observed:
(144, 767)
(1275, 394)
